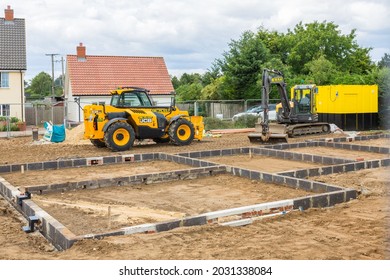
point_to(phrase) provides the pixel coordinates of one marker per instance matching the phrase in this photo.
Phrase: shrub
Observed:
(14, 120)
(215, 123)
(247, 121)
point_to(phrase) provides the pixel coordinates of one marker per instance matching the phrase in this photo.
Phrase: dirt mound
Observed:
(75, 136)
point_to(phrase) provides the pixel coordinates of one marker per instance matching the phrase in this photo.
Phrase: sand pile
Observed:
(75, 136)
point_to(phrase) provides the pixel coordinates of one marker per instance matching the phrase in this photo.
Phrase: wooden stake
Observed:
(22, 169)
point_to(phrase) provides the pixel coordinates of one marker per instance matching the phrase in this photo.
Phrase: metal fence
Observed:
(222, 109)
(36, 113)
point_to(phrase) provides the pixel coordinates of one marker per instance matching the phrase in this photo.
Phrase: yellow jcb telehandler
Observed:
(131, 115)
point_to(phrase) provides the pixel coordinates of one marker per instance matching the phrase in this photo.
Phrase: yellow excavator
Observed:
(294, 118)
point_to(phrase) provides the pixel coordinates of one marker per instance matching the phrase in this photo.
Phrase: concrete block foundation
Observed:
(324, 195)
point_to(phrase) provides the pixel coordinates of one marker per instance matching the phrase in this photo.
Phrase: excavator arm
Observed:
(269, 78)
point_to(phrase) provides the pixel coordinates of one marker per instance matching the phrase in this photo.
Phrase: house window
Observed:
(4, 79)
(4, 110)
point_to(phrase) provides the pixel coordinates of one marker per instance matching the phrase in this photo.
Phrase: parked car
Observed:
(257, 111)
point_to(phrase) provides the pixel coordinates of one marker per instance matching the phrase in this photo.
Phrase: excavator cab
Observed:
(303, 98)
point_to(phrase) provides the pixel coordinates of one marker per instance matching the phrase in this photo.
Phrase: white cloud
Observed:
(188, 34)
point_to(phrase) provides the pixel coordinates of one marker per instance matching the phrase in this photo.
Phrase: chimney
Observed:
(81, 53)
(9, 14)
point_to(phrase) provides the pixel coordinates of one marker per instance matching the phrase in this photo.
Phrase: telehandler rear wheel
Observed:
(181, 132)
(119, 136)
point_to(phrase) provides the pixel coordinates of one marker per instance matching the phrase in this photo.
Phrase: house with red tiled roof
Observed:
(90, 78)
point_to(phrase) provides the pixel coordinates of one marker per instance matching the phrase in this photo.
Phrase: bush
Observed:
(215, 123)
(14, 120)
(247, 121)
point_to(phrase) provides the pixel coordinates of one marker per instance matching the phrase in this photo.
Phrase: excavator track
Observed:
(301, 129)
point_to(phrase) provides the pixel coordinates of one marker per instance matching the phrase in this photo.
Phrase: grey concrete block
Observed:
(303, 173)
(308, 157)
(314, 172)
(288, 155)
(188, 161)
(17, 167)
(320, 201)
(65, 163)
(327, 160)
(195, 154)
(359, 165)
(278, 179)
(255, 175)
(165, 226)
(35, 166)
(137, 157)
(148, 156)
(319, 187)
(294, 145)
(82, 162)
(374, 149)
(194, 221)
(292, 182)
(267, 177)
(335, 198)
(373, 163)
(5, 168)
(364, 148)
(205, 154)
(226, 152)
(107, 160)
(317, 159)
(302, 203)
(245, 173)
(385, 162)
(349, 167)
(216, 153)
(326, 170)
(305, 184)
(337, 169)
(350, 194)
(297, 156)
(264, 152)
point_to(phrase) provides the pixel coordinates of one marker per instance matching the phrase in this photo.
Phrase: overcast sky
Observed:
(189, 34)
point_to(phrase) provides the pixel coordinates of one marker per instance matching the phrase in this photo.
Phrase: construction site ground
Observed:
(358, 229)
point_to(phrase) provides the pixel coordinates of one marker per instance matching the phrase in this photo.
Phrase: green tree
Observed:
(321, 70)
(40, 85)
(214, 90)
(242, 66)
(187, 92)
(311, 41)
(175, 82)
(385, 61)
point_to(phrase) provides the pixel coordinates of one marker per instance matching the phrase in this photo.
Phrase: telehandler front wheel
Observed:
(181, 132)
(119, 136)
(98, 143)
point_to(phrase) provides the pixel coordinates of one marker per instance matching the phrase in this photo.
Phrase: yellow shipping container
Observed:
(347, 99)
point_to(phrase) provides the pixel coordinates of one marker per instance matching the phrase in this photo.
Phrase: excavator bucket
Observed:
(277, 134)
